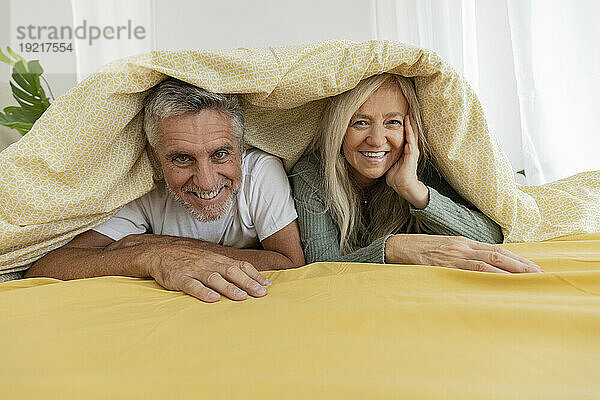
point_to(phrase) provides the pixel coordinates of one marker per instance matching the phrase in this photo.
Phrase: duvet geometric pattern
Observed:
(85, 157)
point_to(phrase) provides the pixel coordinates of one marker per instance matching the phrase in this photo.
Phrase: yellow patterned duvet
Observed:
(324, 331)
(85, 157)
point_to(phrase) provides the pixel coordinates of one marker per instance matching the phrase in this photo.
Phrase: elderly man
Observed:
(201, 230)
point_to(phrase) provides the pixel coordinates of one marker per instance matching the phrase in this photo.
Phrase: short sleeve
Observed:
(271, 205)
(129, 220)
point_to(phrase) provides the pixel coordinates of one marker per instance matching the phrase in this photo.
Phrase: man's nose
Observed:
(205, 176)
(376, 137)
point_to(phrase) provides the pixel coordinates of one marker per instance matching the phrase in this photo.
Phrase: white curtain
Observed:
(556, 46)
(112, 14)
(534, 63)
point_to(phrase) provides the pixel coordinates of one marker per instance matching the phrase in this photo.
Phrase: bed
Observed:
(326, 330)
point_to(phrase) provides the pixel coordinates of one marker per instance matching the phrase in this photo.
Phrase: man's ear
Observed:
(242, 149)
(156, 167)
(155, 157)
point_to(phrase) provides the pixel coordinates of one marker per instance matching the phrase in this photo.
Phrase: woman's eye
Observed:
(360, 123)
(395, 122)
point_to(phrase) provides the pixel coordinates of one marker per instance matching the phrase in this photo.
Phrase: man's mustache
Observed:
(196, 189)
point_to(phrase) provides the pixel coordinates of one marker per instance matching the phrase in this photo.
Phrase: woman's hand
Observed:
(454, 252)
(402, 176)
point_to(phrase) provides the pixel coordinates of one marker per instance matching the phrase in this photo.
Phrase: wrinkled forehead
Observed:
(206, 130)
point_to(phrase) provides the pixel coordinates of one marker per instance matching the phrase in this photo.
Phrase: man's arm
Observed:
(175, 263)
(282, 250)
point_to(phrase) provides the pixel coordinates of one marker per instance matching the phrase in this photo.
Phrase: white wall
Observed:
(182, 24)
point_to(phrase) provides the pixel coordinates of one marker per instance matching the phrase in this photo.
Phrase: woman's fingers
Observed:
(501, 258)
(496, 257)
(533, 266)
(523, 259)
(411, 136)
(480, 266)
(456, 252)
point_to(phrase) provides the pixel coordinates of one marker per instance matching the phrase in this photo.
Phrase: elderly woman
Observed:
(367, 191)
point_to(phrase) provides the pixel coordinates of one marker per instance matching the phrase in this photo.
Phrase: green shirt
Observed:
(446, 214)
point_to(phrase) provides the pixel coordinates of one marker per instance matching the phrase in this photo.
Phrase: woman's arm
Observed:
(450, 215)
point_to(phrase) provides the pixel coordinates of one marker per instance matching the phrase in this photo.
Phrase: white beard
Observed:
(221, 209)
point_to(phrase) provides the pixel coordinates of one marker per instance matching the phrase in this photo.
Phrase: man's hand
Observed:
(175, 263)
(204, 274)
(455, 252)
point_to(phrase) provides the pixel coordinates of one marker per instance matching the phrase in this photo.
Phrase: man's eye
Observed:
(219, 155)
(182, 158)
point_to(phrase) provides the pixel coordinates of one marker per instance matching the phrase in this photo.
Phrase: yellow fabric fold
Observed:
(326, 330)
(85, 157)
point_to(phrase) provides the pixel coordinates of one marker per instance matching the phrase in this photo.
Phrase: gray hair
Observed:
(173, 97)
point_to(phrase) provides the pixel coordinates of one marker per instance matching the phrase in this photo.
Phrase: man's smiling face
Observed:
(201, 162)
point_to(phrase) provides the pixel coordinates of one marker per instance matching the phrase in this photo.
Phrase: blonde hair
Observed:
(386, 212)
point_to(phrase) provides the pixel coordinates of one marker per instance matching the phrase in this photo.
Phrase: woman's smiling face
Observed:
(374, 139)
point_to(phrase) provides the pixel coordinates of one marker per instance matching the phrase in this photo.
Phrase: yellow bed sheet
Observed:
(326, 330)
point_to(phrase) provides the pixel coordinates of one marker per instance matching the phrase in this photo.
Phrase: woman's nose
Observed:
(376, 137)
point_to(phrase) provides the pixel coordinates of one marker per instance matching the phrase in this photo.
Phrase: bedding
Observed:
(85, 157)
(326, 330)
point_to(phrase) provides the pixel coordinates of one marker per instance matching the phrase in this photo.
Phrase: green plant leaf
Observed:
(22, 82)
(12, 110)
(27, 91)
(34, 67)
(33, 105)
(23, 103)
(17, 118)
(21, 67)
(13, 114)
(31, 98)
(522, 172)
(4, 58)
(18, 113)
(32, 79)
(34, 110)
(15, 55)
(21, 127)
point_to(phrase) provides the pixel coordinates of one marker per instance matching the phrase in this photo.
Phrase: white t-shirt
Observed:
(263, 206)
